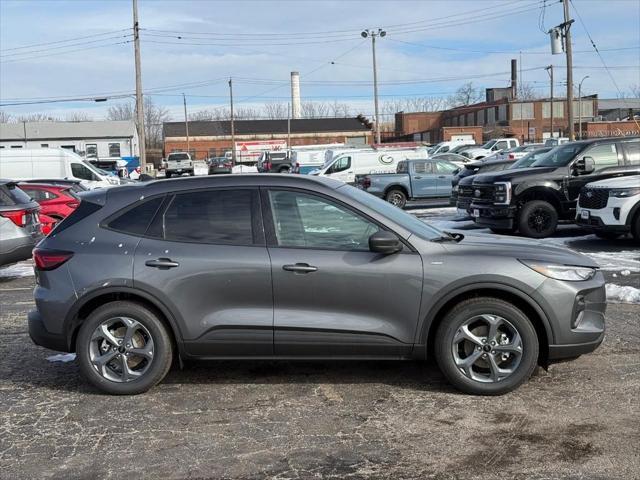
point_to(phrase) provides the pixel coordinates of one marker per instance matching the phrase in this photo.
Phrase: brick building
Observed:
(213, 138)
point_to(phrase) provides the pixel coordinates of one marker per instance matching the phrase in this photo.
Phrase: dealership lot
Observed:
(342, 420)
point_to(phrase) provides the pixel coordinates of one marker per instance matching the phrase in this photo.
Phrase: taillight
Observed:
(18, 217)
(267, 166)
(50, 259)
(512, 156)
(73, 204)
(366, 182)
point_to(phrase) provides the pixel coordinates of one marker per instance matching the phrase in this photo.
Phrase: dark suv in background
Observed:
(291, 266)
(533, 200)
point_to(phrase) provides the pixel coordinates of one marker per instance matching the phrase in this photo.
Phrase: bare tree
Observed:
(78, 117)
(466, 95)
(202, 115)
(526, 91)
(635, 90)
(338, 109)
(276, 110)
(5, 117)
(314, 109)
(154, 117)
(121, 111)
(37, 117)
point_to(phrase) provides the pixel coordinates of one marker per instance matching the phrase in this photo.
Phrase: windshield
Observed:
(559, 156)
(402, 218)
(489, 144)
(177, 156)
(94, 169)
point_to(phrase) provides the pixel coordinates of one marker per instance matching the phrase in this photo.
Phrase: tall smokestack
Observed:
(295, 95)
(514, 78)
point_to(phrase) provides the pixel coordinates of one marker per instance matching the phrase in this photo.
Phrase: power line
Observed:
(64, 46)
(64, 41)
(16, 60)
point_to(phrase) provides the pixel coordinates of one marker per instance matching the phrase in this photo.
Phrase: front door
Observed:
(424, 180)
(607, 160)
(445, 177)
(205, 257)
(332, 296)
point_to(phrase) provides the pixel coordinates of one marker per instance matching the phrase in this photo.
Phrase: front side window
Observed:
(222, 217)
(78, 170)
(633, 152)
(308, 221)
(603, 155)
(114, 149)
(340, 165)
(423, 167)
(501, 145)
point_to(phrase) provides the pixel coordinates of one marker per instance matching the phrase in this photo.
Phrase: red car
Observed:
(56, 201)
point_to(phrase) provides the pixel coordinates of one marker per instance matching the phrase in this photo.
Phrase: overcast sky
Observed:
(193, 46)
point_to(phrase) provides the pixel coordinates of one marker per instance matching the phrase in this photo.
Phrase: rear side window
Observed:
(446, 167)
(222, 217)
(605, 155)
(423, 167)
(11, 195)
(136, 220)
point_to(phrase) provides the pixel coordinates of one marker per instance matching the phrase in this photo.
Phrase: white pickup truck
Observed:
(491, 147)
(179, 163)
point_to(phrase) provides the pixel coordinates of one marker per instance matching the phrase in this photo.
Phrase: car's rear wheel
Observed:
(486, 346)
(284, 170)
(538, 219)
(396, 197)
(168, 174)
(123, 348)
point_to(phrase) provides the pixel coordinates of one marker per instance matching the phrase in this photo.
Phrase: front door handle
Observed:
(441, 176)
(417, 177)
(162, 263)
(300, 268)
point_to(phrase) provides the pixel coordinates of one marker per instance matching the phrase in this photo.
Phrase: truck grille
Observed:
(482, 193)
(594, 198)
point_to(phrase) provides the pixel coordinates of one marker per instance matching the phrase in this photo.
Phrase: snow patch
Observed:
(17, 270)
(244, 169)
(62, 357)
(622, 293)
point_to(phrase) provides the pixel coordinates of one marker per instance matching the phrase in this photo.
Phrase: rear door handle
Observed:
(441, 176)
(162, 263)
(300, 268)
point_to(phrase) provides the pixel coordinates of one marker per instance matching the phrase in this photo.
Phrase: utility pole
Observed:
(139, 102)
(186, 123)
(233, 130)
(373, 34)
(549, 69)
(569, 53)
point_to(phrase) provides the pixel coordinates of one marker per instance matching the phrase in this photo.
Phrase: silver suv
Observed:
(20, 227)
(283, 267)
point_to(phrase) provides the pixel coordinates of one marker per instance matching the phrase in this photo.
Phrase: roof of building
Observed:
(618, 103)
(216, 128)
(67, 130)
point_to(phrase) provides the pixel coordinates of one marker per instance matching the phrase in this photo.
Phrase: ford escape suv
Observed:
(205, 267)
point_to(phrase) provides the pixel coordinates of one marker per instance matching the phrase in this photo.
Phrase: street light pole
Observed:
(549, 69)
(186, 123)
(580, 106)
(373, 34)
(139, 102)
(233, 130)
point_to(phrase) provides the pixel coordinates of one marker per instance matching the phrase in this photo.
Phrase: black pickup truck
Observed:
(533, 200)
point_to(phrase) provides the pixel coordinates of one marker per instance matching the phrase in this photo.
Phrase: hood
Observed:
(511, 174)
(620, 182)
(520, 248)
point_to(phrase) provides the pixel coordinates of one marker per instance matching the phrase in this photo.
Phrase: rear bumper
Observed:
(40, 336)
(16, 250)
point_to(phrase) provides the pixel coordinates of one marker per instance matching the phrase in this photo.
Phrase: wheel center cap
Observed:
(121, 349)
(486, 348)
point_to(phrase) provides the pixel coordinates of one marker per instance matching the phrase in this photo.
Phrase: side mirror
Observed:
(585, 165)
(384, 242)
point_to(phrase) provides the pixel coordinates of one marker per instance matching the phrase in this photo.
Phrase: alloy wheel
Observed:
(539, 220)
(121, 349)
(487, 348)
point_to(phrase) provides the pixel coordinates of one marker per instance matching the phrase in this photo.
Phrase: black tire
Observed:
(607, 235)
(167, 174)
(396, 197)
(538, 219)
(284, 170)
(162, 348)
(502, 231)
(461, 313)
(635, 226)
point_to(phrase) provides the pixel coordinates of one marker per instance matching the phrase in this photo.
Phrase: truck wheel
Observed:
(284, 170)
(635, 227)
(538, 219)
(486, 346)
(396, 197)
(167, 174)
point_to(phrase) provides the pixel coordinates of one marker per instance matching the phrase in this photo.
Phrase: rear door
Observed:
(332, 296)
(204, 255)
(424, 180)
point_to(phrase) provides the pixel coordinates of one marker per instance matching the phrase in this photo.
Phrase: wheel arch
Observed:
(397, 186)
(88, 303)
(520, 299)
(546, 193)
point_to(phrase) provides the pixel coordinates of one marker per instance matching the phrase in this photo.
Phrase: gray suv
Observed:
(20, 227)
(282, 267)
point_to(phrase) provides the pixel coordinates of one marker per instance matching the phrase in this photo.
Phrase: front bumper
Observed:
(494, 216)
(596, 224)
(40, 336)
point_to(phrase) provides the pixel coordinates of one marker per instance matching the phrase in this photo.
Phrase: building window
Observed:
(212, 152)
(522, 111)
(558, 109)
(92, 150)
(114, 150)
(16, 146)
(44, 145)
(69, 147)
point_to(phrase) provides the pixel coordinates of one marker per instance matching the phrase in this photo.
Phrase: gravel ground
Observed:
(286, 420)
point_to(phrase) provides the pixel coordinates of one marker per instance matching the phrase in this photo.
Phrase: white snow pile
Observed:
(62, 357)
(17, 270)
(622, 293)
(244, 169)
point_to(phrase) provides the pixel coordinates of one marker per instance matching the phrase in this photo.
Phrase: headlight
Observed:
(624, 192)
(503, 193)
(569, 273)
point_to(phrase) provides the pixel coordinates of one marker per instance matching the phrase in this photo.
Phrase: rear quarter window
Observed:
(11, 195)
(135, 220)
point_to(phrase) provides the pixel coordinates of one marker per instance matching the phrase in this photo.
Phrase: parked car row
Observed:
(573, 182)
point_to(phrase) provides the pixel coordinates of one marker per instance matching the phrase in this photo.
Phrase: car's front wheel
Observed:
(486, 346)
(538, 219)
(123, 348)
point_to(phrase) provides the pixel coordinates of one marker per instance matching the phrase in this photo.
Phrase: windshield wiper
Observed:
(451, 237)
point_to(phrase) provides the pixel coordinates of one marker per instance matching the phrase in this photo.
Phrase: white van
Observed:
(29, 163)
(444, 147)
(347, 165)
